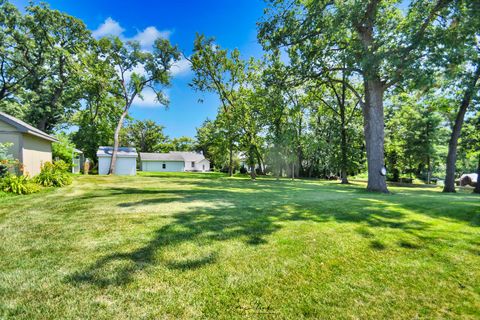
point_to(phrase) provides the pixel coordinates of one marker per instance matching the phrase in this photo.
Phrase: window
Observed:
(203, 166)
(193, 164)
(164, 166)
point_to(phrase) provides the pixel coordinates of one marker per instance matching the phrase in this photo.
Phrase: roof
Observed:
(25, 127)
(172, 156)
(126, 152)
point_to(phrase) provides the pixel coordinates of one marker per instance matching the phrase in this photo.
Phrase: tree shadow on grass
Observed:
(248, 214)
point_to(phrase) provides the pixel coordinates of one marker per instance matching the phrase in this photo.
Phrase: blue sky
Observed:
(231, 22)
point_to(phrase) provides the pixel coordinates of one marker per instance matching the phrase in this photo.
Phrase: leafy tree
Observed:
(414, 133)
(63, 149)
(370, 39)
(39, 63)
(146, 136)
(183, 144)
(470, 143)
(462, 53)
(217, 70)
(101, 108)
(213, 144)
(127, 58)
(12, 71)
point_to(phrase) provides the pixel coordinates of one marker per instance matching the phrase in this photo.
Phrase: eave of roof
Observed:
(25, 127)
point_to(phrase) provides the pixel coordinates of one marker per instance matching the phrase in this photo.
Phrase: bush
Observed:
(243, 170)
(54, 175)
(3, 170)
(18, 184)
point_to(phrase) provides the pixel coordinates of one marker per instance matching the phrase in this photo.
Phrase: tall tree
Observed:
(127, 58)
(146, 136)
(101, 105)
(463, 54)
(217, 70)
(372, 39)
(40, 62)
(470, 143)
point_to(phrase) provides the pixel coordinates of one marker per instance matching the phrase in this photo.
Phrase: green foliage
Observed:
(145, 136)
(18, 184)
(54, 174)
(7, 162)
(40, 62)
(63, 149)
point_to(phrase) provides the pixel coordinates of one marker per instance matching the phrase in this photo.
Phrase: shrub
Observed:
(7, 162)
(243, 170)
(54, 175)
(18, 184)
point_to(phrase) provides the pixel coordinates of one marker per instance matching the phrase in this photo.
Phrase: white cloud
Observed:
(149, 99)
(181, 67)
(148, 36)
(109, 28)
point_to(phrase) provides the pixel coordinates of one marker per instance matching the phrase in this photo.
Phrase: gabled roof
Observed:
(147, 156)
(172, 156)
(126, 152)
(189, 156)
(25, 127)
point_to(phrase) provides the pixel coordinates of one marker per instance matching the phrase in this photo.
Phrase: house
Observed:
(126, 164)
(174, 161)
(31, 146)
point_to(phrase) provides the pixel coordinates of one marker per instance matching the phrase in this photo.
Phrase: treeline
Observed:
(54, 74)
(344, 88)
(350, 87)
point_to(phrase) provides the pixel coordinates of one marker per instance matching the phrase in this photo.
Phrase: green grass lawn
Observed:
(205, 246)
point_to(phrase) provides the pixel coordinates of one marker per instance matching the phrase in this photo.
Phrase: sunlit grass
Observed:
(207, 246)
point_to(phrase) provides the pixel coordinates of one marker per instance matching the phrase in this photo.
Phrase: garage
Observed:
(126, 161)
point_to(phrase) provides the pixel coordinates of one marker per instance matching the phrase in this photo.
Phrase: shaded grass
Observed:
(206, 246)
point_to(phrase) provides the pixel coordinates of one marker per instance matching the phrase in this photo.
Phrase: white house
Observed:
(126, 164)
(174, 161)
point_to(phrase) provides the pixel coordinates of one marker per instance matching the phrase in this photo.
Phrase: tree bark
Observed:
(113, 160)
(230, 165)
(457, 128)
(343, 144)
(374, 134)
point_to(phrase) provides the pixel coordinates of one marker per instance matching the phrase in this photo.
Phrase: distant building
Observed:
(31, 146)
(174, 161)
(469, 179)
(126, 164)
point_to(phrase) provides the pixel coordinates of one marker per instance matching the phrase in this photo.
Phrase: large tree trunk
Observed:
(477, 187)
(113, 160)
(457, 128)
(374, 134)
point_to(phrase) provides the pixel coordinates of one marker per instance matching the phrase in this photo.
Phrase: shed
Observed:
(174, 161)
(126, 164)
(31, 146)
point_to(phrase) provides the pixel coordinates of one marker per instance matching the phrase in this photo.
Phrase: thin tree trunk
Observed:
(230, 165)
(293, 170)
(457, 128)
(374, 135)
(343, 146)
(113, 160)
(477, 187)
(429, 170)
